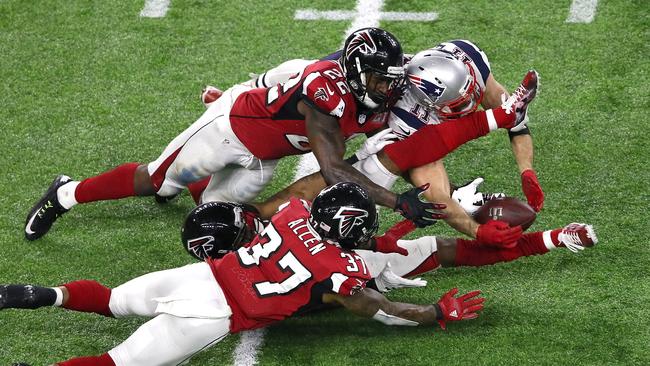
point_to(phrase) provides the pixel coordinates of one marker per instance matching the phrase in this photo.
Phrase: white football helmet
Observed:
(443, 84)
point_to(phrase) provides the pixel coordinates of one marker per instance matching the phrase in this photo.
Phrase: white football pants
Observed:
(419, 249)
(209, 148)
(189, 311)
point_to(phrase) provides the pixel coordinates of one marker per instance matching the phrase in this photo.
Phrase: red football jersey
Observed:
(268, 123)
(285, 270)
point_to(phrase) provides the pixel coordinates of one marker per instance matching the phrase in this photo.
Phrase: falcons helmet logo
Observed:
(349, 217)
(201, 246)
(363, 42)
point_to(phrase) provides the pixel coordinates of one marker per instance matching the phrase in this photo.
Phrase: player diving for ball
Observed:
(302, 260)
(239, 139)
(443, 84)
(214, 229)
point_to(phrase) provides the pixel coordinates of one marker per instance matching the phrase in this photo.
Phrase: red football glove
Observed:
(387, 243)
(499, 234)
(532, 189)
(458, 308)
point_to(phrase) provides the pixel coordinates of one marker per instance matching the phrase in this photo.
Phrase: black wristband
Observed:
(438, 312)
(524, 131)
(352, 159)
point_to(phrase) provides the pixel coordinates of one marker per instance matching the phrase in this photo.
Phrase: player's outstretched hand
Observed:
(499, 234)
(413, 208)
(458, 308)
(387, 243)
(532, 189)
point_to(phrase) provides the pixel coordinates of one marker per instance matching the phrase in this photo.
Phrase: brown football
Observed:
(509, 209)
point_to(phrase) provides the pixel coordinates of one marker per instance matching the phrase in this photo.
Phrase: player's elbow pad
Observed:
(388, 319)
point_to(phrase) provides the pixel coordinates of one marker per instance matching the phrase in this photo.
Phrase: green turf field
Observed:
(88, 85)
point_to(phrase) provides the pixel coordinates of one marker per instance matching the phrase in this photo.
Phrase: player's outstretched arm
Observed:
(369, 303)
(328, 145)
(521, 143)
(306, 188)
(440, 191)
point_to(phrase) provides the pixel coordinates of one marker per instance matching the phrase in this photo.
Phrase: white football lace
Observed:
(572, 241)
(514, 98)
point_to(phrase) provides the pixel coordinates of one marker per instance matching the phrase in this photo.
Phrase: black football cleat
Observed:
(26, 297)
(20, 364)
(45, 211)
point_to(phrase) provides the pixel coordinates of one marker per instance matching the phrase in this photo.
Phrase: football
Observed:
(509, 209)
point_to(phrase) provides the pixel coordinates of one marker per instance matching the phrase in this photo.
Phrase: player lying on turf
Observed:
(240, 139)
(440, 90)
(443, 83)
(214, 229)
(298, 262)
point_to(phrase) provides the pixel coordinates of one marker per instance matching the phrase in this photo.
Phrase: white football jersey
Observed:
(407, 116)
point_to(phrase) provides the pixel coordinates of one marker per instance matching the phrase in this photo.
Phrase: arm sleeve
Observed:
(433, 142)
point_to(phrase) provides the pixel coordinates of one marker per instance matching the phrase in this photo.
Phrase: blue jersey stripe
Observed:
(332, 56)
(476, 57)
(407, 117)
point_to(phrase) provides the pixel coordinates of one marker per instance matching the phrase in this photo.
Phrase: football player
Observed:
(239, 140)
(302, 259)
(444, 83)
(214, 229)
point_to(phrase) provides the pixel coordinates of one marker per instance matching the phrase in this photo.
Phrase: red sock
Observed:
(471, 253)
(103, 360)
(111, 185)
(196, 189)
(89, 297)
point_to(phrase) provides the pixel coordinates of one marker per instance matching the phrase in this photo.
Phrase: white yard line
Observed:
(249, 345)
(311, 14)
(582, 11)
(155, 8)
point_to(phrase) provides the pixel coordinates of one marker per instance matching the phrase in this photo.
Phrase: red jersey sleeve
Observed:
(322, 93)
(346, 286)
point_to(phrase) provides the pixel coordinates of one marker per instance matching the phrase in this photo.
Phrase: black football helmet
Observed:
(344, 213)
(373, 51)
(213, 229)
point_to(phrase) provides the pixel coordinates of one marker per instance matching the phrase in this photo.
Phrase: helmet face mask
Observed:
(344, 213)
(213, 229)
(444, 84)
(372, 53)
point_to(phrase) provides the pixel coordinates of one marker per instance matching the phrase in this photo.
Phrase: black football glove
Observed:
(421, 213)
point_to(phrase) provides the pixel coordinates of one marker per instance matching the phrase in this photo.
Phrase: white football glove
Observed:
(388, 280)
(375, 143)
(470, 199)
(523, 122)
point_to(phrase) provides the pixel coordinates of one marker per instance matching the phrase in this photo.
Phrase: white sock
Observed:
(59, 296)
(65, 194)
(548, 242)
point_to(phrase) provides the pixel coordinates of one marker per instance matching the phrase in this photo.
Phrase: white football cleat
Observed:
(209, 95)
(576, 237)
